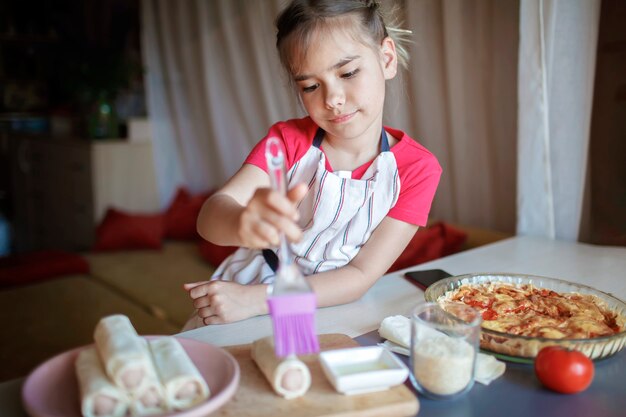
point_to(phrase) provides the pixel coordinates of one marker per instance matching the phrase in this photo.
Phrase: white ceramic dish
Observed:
(362, 369)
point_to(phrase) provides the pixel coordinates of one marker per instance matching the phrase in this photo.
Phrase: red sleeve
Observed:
(296, 136)
(419, 173)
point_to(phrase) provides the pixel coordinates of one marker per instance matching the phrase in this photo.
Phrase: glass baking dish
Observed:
(524, 348)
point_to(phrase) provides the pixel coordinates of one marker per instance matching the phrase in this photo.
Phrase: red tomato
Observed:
(563, 370)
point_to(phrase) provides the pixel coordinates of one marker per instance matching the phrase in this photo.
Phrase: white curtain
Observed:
(215, 86)
(462, 101)
(557, 54)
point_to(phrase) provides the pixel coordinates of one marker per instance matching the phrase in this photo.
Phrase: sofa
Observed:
(139, 271)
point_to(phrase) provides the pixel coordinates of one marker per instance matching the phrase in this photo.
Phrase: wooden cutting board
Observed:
(255, 396)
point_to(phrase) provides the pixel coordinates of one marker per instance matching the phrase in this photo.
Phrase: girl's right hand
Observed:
(269, 213)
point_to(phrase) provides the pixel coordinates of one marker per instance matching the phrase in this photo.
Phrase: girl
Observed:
(359, 190)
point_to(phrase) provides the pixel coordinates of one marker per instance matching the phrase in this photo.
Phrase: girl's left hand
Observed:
(219, 302)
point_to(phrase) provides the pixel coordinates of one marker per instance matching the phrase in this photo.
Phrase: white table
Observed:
(602, 267)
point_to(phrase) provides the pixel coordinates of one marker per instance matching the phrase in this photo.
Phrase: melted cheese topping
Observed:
(537, 312)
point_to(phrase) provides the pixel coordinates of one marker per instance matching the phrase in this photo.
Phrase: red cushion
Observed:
(430, 243)
(180, 217)
(38, 266)
(119, 230)
(214, 254)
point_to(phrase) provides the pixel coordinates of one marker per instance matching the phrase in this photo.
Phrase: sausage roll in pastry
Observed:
(124, 354)
(289, 377)
(149, 399)
(98, 396)
(184, 386)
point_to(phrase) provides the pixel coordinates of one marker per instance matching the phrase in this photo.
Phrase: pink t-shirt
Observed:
(418, 169)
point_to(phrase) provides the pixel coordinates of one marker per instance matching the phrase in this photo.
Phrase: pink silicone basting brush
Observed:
(290, 299)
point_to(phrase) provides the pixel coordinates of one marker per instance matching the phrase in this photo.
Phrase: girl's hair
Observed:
(298, 22)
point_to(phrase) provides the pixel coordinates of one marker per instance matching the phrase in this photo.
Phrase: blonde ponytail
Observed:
(401, 37)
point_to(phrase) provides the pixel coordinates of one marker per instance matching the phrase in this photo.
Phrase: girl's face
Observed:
(342, 83)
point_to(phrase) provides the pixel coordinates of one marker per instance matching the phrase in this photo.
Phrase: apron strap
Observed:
(271, 259)
(319, 136)
(384, 142)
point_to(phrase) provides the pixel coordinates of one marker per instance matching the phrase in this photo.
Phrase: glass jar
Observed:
(444, 346)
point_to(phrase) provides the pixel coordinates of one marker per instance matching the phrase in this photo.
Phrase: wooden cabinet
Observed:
(61, 188)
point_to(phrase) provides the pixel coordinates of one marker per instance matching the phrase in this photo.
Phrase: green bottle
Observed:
(103, 119)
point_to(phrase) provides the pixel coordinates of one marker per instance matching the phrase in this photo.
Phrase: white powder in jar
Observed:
(443, 365)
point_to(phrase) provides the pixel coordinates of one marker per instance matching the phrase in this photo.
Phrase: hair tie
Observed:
(372, 4)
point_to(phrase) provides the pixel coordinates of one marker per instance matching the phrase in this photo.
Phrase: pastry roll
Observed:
(183, 384)
(396, 329)
(124, 354)
(289, 377)
(149, 399)
(98, 396)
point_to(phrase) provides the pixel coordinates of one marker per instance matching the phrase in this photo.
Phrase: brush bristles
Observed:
(293, 319)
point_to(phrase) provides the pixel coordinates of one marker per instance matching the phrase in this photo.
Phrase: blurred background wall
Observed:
(76, 75)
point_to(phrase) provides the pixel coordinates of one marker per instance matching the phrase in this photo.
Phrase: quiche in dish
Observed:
(523, 313)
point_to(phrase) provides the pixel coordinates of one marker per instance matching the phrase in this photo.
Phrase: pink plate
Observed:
(51, 390)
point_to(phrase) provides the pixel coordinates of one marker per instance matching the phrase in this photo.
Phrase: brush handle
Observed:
(278, 179)
(289, 279)
(276, 165)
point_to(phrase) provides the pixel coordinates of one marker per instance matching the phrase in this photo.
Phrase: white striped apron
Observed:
(337, 216)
